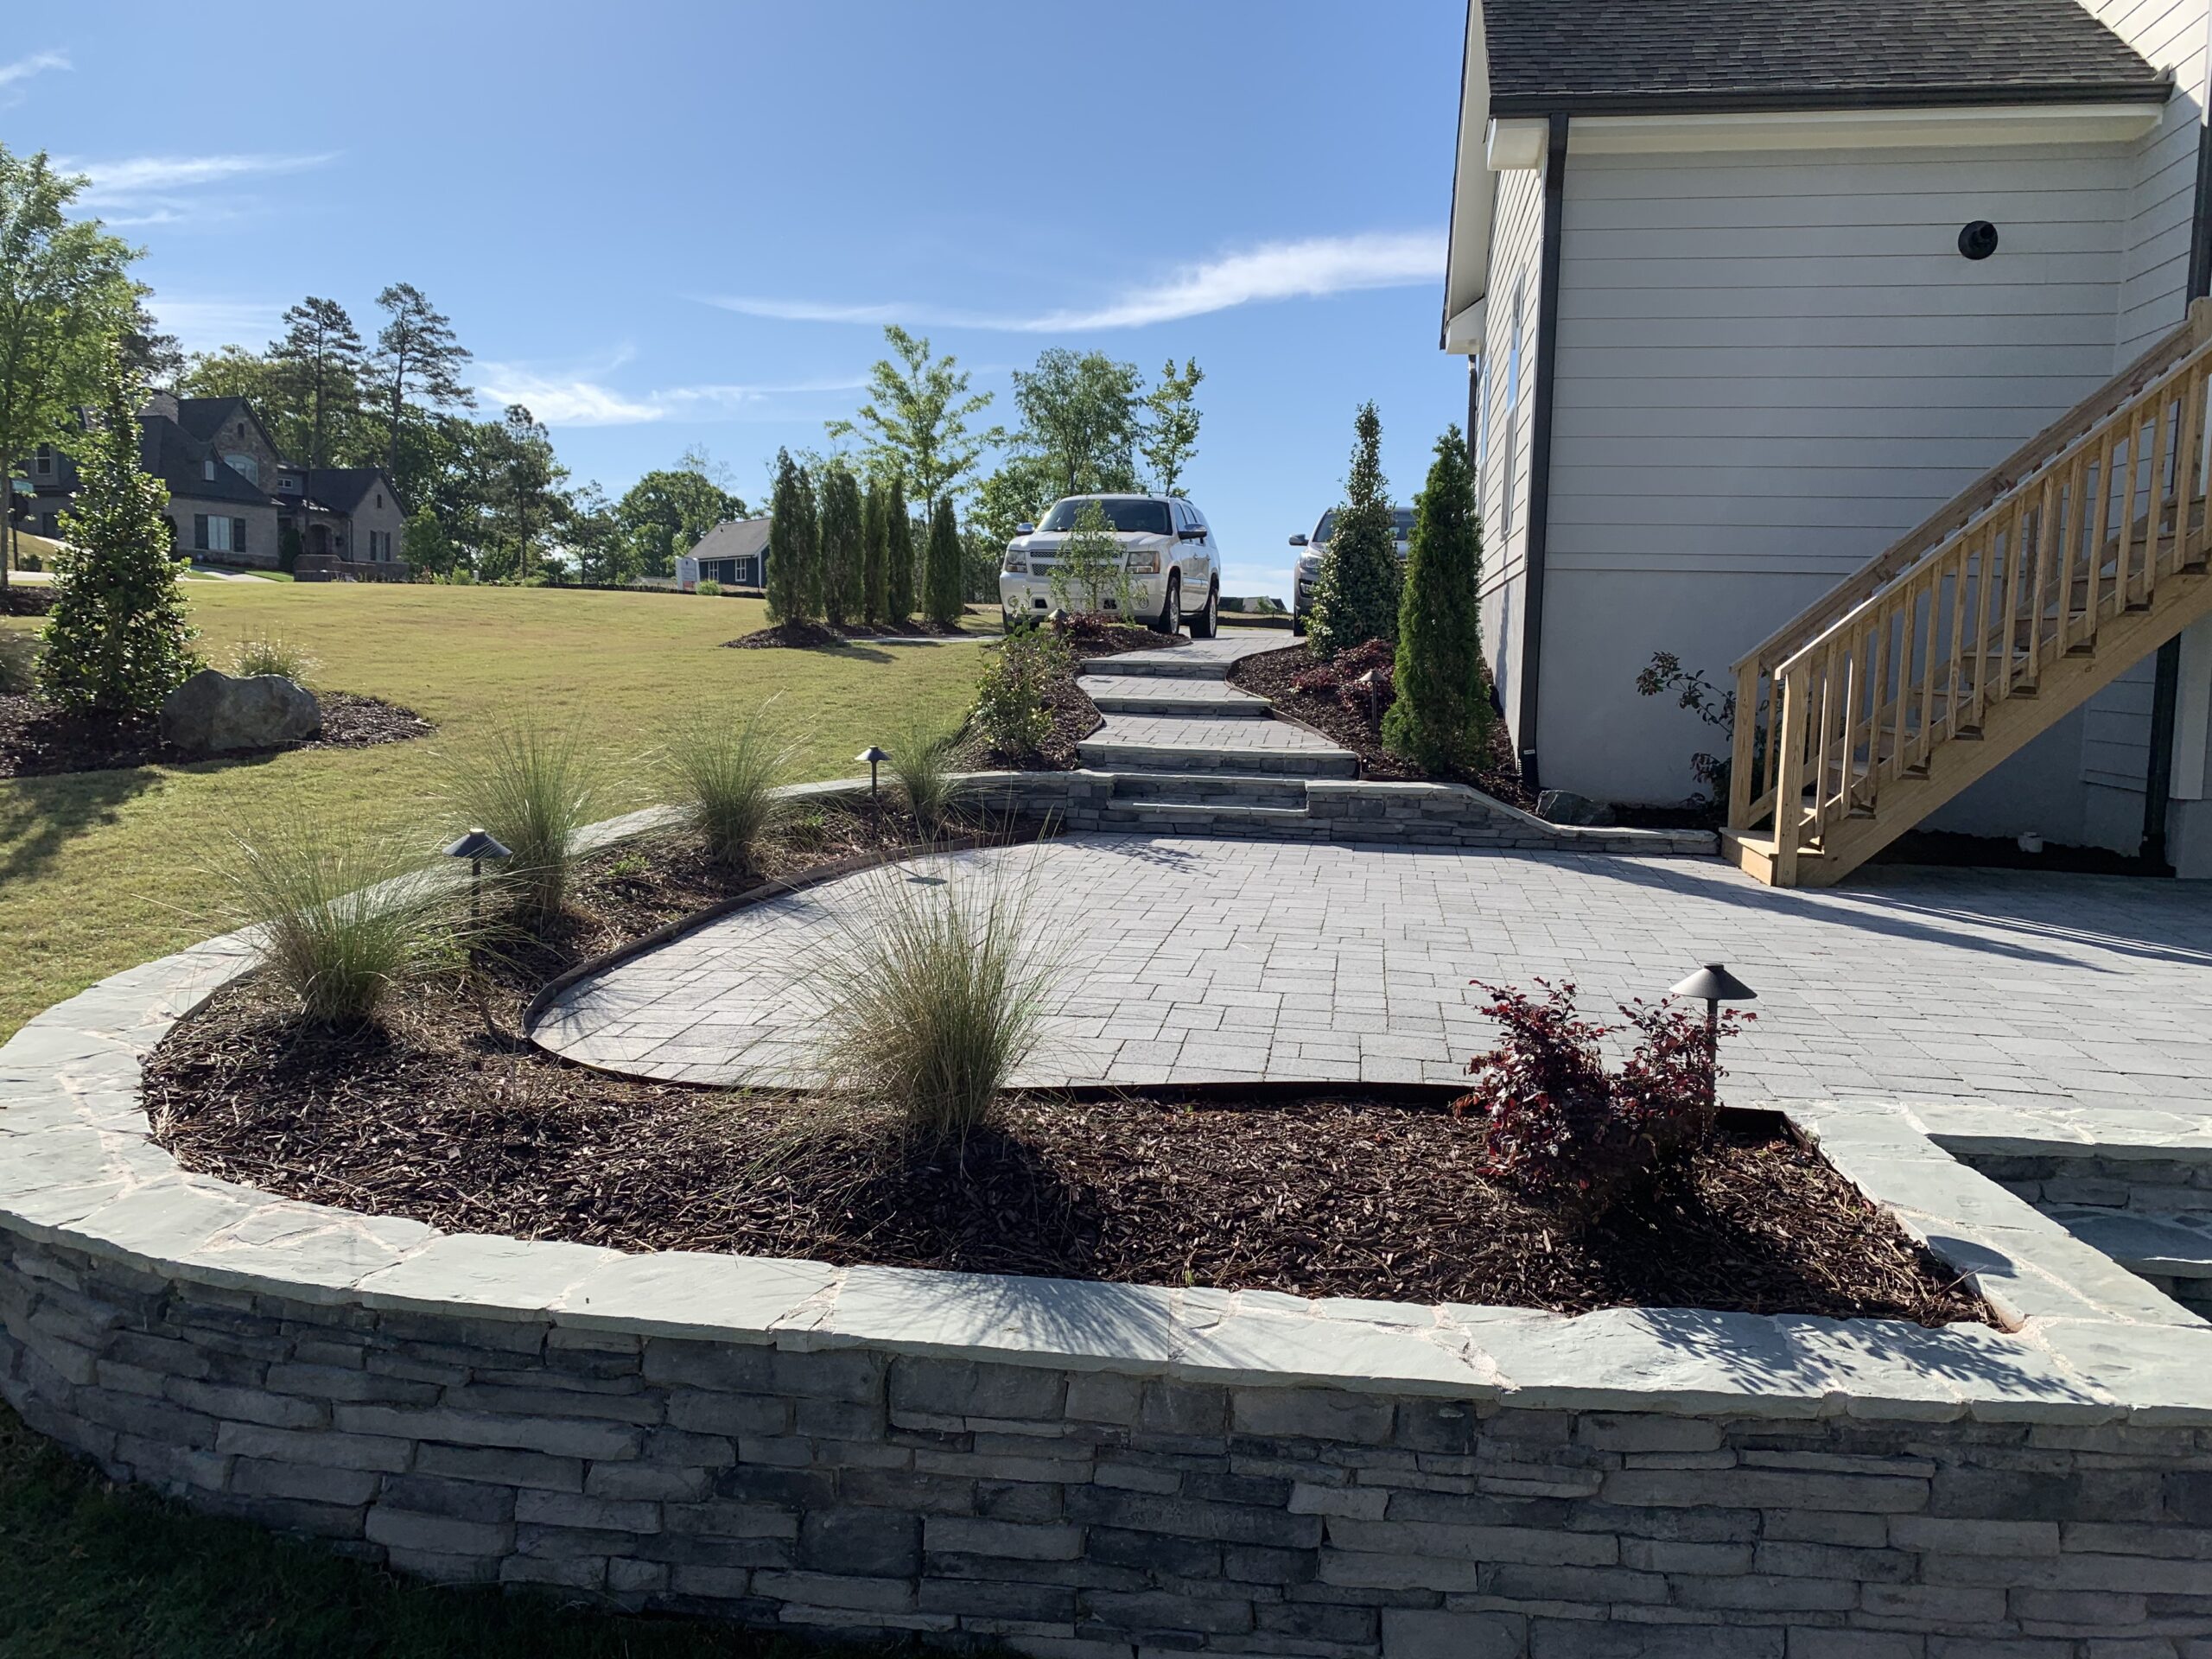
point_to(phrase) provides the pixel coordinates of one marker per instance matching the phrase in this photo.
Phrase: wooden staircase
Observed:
(2036, 587)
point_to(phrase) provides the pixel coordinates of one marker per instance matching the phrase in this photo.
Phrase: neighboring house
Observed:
(231, 496)
(1752, 291)
(734, 553)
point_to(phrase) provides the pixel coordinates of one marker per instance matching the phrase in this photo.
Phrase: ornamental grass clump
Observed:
(726, 777)
(920, 761)
(939, 992)
(1562, 1129)
(269, 653)
(533, 788)
(340, 922)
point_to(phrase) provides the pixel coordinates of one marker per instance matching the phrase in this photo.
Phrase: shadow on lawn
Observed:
(40, 817)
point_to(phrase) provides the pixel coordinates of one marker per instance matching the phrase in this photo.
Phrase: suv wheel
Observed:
(1207, 623)
(1170, 610)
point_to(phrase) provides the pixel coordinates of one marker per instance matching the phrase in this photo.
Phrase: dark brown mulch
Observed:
(38, 740)
(444, 1113)
(1097, 635)
(814, 636)
(451, 1120)
(26, 599)
(1346, 718)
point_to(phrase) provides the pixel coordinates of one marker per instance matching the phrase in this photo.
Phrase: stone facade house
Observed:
(232, 496)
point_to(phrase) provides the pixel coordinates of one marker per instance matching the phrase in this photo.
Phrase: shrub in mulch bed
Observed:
(1072, 715)
(444, 1113)
(38, 740)
(1320, 695)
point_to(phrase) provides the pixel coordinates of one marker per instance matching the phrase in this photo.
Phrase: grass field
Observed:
(99, 871)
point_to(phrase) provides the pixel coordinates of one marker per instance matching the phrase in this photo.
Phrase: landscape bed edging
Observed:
(896, 1449)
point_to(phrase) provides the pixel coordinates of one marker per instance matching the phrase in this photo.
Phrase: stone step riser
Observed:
(1108, 702)
(1123, 665)
(1202, 790)
(1241, 823)
(1286, 763)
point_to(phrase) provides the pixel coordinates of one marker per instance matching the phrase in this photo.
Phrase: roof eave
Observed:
(1766, 101)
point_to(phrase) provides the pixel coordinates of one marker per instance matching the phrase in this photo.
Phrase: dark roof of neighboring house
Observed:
(734, 538)
(1630, 56)
(167, 451)
(206, 417)
(340, 489)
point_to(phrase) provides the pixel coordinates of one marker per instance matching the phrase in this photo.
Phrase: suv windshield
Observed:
(1402, 519)
(1138, 518)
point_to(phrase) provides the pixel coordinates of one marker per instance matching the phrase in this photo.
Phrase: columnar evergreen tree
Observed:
(116, 641)
(844, 586)
(898, 537)
(789, 530)
(810, 546)
(1440, 714)
(875, 550)
(1356, 599)
(941, 584)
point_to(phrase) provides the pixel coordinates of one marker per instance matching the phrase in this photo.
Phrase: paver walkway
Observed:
(1173, 711)
(2065, 998)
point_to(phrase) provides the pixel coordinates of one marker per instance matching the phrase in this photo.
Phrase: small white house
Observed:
(734, 553)
(1752, 291)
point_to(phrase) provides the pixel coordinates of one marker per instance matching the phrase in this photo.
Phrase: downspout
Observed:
(1540, 454)
(2165, 683)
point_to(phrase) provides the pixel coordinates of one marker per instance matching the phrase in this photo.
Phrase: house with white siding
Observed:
(1843, 349)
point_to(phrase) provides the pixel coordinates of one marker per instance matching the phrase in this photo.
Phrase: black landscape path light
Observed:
(1371, 683)
(477, 846)
(875, 757)
(1714, 984)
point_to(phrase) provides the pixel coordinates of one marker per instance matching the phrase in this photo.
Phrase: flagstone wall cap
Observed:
(78, 1169)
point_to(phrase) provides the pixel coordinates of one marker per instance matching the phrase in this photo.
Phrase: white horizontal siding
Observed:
(1516, 261)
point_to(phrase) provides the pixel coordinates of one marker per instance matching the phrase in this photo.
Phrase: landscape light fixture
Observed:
(477, 846)
(875, 757)
(1371, 683)
(1059, 620)
(1714, 984)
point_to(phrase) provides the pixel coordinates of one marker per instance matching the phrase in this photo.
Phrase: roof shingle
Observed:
(1622, 56)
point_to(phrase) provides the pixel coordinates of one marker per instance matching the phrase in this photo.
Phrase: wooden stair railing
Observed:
(2092, 534)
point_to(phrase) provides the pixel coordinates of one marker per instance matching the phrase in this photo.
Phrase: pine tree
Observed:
(843, 579)
(941, 597)
(1441, 715)
(899, 538)
(875, 550)
(1356, 599)
(117, 641)
(788, 555)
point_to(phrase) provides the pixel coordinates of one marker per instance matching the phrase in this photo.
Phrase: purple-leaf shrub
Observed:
(1558, 1125)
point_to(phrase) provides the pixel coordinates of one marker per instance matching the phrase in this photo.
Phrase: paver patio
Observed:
(2071, 1000)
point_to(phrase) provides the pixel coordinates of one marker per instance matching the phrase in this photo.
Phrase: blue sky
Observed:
(666, 225)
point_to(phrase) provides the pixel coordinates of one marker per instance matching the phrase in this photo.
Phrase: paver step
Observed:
(1209, 789)
(1283, 763)
(1184, 664)
(2162, 1245)
(1121, 701)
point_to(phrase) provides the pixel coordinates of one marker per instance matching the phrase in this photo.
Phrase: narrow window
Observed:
(237, 535)
(207, 469)
(200, 531)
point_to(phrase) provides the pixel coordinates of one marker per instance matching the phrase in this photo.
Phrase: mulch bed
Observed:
(1347, 718)
(26, 599)
(445, 1113)
(38, 740)
(814, 636)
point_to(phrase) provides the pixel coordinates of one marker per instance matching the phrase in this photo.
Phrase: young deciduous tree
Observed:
(1079, 411)
(664, 514)
(875, 554)
(941, 595)
(1171, 438)
(424, 544)
(790, 534)
(64, 293)
(323, 351)
(1440, 714)
(1356, 598)
(843, 578)
(1092, 566)
(898, 557)
(915, 424)
(417, 359)
(116, 641)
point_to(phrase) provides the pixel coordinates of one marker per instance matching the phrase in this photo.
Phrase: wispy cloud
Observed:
(12, 75)
(180, 189)
(584, 399)
(204, 325)
(1310, 269)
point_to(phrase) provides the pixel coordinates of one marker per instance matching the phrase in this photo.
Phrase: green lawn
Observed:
(90, 1573)
(98, 870)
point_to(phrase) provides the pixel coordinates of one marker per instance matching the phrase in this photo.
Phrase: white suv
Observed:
(1173, 566)
(1309, 559)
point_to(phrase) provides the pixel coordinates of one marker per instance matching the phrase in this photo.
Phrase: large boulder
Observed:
(1565, 806)
(213, 712)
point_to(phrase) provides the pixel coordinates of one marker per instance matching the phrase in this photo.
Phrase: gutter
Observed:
(1765, 100)
(1537, 545)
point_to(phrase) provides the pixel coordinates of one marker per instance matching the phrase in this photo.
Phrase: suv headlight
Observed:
(1308, 564)
(1145, 564)
(1017, 561)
